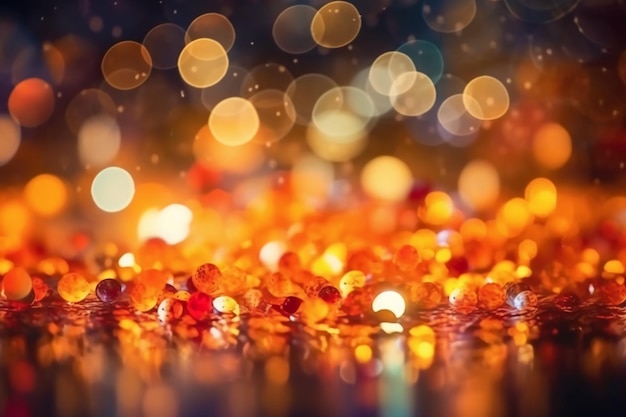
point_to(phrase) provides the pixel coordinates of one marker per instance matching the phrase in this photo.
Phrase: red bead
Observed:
(291, 304)
(330, 294)
(457, 266)
(108, 290)
(199, 305)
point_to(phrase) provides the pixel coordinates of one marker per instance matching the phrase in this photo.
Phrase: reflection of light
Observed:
(270, 254)
(170, 224)
(202, 63)
(126, 65)
(389, 300)
(479, 184)
(127, 260)
(336, 24)
(291, 30)
(234, 121)
(391, 328)
(552, 145)
(213, 26)
(386, 178)
(11, 137)
(46, 194)
(489, 94)
(31, 102)
(112, 189)
(98, 140)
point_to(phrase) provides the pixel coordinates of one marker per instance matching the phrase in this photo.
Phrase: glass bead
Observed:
(406, 258)
(289, 263)
(425, 295)
(611, 293)
(291, 305)
(226, 305)
(142, 297)
(200, 305)
(108, 290)
(330, 294)
(350, 281)
(40, 288)
(73, 287)
(279, 285)
(313, 310)
(17, 284)
(206, 277)
(169, 310)
(463, 299)
(357, 303)
(313, 286)
(491, 296)
(366, 261)
(520, 296)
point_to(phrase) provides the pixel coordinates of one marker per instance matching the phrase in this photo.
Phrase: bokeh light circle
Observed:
(343, 110)
(213, 26)
(268, 76)
(99, 141)
(87, 104)
(386, 68)
(126, 65)
(552, 145)
(336, 24)
(292, 29)
(537, 11)
(491, 96)
(412, 94)
(202, 63)
(304, 92)
(112, 189)
(164, 43)
(46, 194)
(234, 121)
(209, 152)
(453, 115)
(479, 185)
(426, 57)
(448, 16)
(276, 113)
(31, 102)
(10, 138)
(386, 178)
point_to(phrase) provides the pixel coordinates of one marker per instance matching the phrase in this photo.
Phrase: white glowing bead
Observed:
(389, 300)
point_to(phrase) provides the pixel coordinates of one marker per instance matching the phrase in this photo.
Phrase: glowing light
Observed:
(304, 92)
(126, 65)
(127, 260)
(112, 189)
(363, 353)
(439, 208)
(456, 118)
(234, 121)
(312, 178)
(486, 98)
(10, 138)
(389, 300)
(17, 284)
(276, 113)
(202, 63)
(479, 184)
(514, 216)
(343, 111)
(541, 196)
(46, 194)
(239, 159)
(31, 102)
(426, 57)
(270, 254)
(213, 26)
(552, 146)
(450, 16)
(412, 94)
(387, 68)
(164, 43)
(171, 224)
(336, 24)
(386, 178)
(99, 141)
(292, 29)
(87, 104)
(268, 76)
(391, 328)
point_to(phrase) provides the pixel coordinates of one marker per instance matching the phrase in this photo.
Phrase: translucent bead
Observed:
(425, 295)
(291, 305)
(200, 305)
(142, 297)
(520, 296)
(40, 288)
(611, 293)
(279, 285)
(169, 310)
(206, 278)
(17, 283)
(313, 286)
(234, 281)
(350, 281)
(289, 263)
(108, 290)
(406, 258)
(226, 305)
(366, 261)
(491, 296)
(463, 299)
(73, 287)
(252, 299)
(331, 295)
(357, 303)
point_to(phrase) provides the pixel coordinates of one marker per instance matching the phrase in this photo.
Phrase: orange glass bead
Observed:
(206, 278)
(73, 287)
(463, 299)
(313, 285)
(289, 263)
(279, 285)
(357, 303)
(611, 293)
(406, 258)
(40, 289)
(425, 295)
(331, 295)
(365, 260)
(313, 310)
(17, 283)
(491, 296)
(142, 297)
